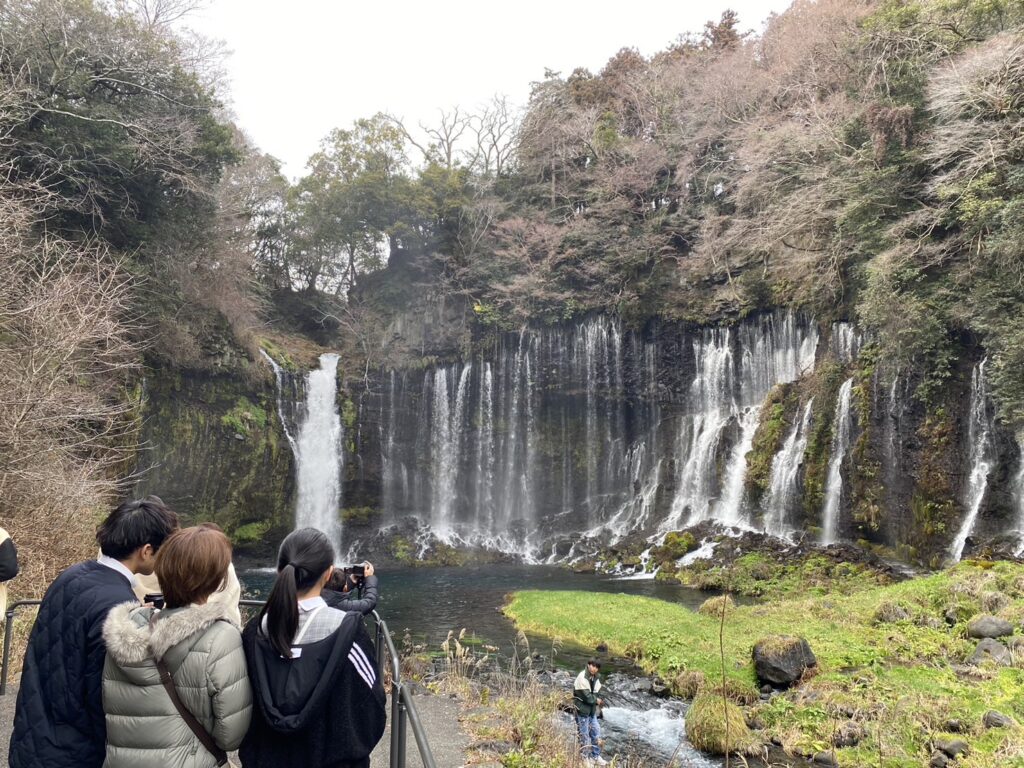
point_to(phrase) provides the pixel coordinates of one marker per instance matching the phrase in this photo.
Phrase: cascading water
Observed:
(845, 342)
(576, 430)
(834, 483)
(318, 453)
(286, 421)
(725, 395)
(784, 486)
(979, 431)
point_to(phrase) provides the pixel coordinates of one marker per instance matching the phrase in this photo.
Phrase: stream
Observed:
(427, 603)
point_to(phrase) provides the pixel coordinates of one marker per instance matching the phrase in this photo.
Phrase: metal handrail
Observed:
(403, 708)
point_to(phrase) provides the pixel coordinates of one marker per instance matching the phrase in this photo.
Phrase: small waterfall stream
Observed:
(784, 484)
(979, 431)
(834, 483)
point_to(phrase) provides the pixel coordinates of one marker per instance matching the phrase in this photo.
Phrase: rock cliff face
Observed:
(545, 442)
(213, 447)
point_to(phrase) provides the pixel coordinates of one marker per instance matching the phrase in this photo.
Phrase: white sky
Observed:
(300, 68)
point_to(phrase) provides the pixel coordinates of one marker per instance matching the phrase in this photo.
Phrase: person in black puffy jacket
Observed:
(58, 719)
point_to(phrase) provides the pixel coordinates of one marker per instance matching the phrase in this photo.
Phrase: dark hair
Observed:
(595, 662)
(134, 524)
(304, 556)
(192, 564)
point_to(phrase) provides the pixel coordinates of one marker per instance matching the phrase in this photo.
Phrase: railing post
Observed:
(379, 650)
(396, 696)
(8, 628)
(402, 724)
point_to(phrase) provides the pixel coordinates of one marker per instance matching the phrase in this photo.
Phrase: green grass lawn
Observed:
(902, 680)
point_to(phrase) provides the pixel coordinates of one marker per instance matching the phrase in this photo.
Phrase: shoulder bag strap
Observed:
(305, 627)
(190, 720)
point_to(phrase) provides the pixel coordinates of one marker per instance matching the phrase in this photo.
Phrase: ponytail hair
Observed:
(304, 556)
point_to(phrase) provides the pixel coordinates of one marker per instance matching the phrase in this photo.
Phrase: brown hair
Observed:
(192, 564)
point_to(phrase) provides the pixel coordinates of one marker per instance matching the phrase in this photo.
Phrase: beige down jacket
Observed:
(203, 650)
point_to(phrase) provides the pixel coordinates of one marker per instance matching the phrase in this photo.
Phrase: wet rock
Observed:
(766, 689)
(993, 719)
(989, 627)
(952, 747)
(239, 436)
(660, 689)
(939, 760)
(825, 758)
(782, 659)
(991, 652)
(849, 734)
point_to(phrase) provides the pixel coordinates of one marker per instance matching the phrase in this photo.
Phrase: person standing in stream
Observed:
(584, 694)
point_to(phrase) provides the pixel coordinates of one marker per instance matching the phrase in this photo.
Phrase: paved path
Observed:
(439, 715)
(448, 740)
(7, 721)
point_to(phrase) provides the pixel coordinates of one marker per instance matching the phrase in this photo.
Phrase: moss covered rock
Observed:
(717, 726)
(714, 606)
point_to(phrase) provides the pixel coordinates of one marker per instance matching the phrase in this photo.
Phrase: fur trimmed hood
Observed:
(131, 639)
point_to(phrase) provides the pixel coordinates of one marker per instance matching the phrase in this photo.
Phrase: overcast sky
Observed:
(300, 68)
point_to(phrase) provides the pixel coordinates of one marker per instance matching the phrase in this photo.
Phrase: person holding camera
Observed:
(585, 695)
(353, 588)
(175, 683)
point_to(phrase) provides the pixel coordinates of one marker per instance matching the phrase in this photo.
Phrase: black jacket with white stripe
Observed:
(324, 708)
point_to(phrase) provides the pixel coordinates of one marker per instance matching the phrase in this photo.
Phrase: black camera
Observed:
(355, 570)
(156, 598)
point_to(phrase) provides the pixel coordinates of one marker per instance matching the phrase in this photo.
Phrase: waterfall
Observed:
(318, 453)
(279, 380)
(784, 485)
(584, 429)
(845, 342)
(979, 431)
(725, 395)
(840, 445)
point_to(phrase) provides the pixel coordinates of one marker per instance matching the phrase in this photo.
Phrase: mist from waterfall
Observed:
(318, 453)
(980, 459)
(841, 429)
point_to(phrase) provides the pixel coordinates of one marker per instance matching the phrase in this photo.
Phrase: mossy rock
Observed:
(676, 545)
(714, 606)
(687, 684)
(710, 718)
(250, 533)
